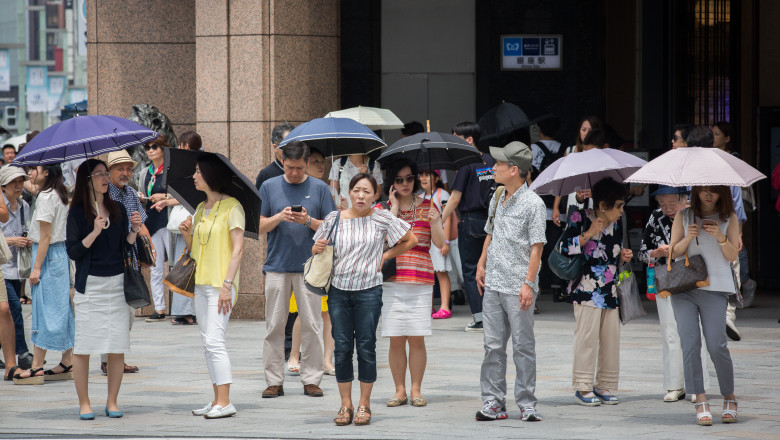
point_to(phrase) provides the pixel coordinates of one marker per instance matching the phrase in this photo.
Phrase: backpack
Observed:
(549, 158)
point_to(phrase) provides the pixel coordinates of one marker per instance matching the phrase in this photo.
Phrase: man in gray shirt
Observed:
(507, 276)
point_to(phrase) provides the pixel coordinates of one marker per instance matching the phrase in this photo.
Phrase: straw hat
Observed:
(117, 157)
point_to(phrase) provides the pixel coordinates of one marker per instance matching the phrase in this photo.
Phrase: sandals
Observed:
(24, 299)
(703, 418)
(344, 416)
(729, 415)
(33, 379)
(442, 314)
(363, 416)
(11, 372)
(65, 374)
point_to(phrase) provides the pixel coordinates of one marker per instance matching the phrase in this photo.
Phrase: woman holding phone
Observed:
(709, 228)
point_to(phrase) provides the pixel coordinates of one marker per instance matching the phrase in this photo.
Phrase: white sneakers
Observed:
(215, 412)
(218, 412)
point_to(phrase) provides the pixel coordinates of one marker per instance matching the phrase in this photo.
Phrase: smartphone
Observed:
(707, 221)
(297, 208)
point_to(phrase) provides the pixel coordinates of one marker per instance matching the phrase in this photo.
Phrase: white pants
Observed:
(212, 326)
(162, 246)
(674, 377)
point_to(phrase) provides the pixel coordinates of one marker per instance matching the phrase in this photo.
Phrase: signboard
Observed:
(37, 89)
(5, 70)
(56, 90)
(531, 52)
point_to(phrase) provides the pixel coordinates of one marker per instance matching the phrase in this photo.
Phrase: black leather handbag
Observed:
(136, 290)
(145, 254)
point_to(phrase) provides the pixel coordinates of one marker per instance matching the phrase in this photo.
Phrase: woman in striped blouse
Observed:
(355, 296)
(406, 296)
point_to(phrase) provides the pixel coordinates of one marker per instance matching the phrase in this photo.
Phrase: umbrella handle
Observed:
(97, 210)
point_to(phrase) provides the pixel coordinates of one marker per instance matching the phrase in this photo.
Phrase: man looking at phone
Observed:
(292, 208)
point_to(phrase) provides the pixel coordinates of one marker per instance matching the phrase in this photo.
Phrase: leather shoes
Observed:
(273, 391)
(312, 390)
(674, 395)
(130, 369)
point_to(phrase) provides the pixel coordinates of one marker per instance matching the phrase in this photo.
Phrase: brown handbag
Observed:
(681, 275)
(181, 277)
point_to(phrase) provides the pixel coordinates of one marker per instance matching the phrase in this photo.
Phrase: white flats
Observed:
(674, 395)
(203, 411)
(218, 412)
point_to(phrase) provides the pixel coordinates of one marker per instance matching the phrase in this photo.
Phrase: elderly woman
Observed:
(655, 250)
(598, 235)
(406, 296)
(355, 296)
(709, 228)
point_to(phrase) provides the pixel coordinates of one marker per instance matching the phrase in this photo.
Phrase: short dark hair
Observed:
(360, 176)
(549, 126)
(192, 139)
(215, 173)
(161, 141)
(684, 129)
(296, 150)
(411, 128)
(700, 136)
(392, 170)
(277, 134)
(608, 191)
(728, 131)
(7, 146)
(467, 129)
(596, 137)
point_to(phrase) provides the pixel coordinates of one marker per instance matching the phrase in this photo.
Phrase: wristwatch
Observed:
(308, 222)
(532, 284)
(446, 242)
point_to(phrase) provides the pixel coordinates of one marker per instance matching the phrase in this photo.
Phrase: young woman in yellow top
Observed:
(215, 238)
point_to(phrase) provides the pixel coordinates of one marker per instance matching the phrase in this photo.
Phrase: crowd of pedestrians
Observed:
(398, 231)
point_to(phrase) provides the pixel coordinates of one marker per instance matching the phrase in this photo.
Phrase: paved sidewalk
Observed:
(173, 380)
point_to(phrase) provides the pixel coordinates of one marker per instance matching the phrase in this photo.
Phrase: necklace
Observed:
(213, 220)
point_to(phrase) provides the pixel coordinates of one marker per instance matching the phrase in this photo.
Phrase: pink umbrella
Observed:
(579, 171)
(697, 166)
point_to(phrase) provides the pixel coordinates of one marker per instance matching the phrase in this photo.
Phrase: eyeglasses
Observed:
(408, 179)
(101, 175)
(148, 147)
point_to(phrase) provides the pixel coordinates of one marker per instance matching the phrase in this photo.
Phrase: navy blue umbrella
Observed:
(82, 137)
(335, 137)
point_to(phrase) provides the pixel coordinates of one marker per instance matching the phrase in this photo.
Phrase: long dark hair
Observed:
(724, 206)
(54, 182)
(594, 122)
(81, 196)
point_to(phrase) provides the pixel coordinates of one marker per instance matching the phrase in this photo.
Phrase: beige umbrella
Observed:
(372, 117)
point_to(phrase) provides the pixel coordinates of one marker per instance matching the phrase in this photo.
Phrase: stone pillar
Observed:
(258, 63)
(142, 52)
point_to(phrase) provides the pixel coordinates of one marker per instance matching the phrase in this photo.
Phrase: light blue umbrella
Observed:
(335, 137)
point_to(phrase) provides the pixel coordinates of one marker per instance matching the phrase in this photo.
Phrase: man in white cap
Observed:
(120, 172)
(507, 276)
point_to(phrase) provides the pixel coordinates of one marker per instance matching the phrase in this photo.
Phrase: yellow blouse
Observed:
(212, 246)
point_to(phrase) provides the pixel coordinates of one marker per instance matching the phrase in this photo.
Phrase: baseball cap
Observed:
(516, 153)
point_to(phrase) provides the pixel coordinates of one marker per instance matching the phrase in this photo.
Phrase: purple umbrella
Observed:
(580, 171)
(82, 137)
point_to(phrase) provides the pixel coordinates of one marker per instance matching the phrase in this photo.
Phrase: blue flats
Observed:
(114, 414)
(607, 397)
(587, 401)
(87, 416)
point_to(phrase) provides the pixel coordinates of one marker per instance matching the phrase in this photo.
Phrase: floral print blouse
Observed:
(598, 287)
(657, 232)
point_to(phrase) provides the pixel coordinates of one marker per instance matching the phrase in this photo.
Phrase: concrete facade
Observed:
(230, 70)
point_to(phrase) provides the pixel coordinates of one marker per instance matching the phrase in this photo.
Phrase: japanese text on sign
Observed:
(531, 52)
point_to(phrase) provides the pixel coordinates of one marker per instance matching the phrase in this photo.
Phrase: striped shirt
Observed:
(359, 247)
(415, 266)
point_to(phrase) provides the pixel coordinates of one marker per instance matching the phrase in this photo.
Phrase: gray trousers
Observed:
(710, 306)
(502, 317)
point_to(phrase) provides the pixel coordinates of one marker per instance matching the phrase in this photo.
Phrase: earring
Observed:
(603, 210)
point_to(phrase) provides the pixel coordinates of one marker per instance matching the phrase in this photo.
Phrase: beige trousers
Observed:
(278, 288)
(596, 349)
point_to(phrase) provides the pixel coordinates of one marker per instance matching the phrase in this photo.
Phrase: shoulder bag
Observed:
(318, 269)
(23, 254)
(681, 275)
(136, 290)
(566, 268)
(145, 253)
(5, 251)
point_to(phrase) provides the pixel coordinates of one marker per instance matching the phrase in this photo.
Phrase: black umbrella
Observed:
(432, 151)
(179, 168)
(501, 122)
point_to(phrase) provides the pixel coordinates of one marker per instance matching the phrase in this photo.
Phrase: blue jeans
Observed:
(14, 288)
(354, 316)
(471, 238)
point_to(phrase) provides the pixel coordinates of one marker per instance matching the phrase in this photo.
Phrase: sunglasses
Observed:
(148, 147)
(408, 179)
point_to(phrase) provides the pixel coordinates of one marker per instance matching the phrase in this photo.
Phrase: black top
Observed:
(104, 257)
(271, 171)
(155, 220)
(476, 183)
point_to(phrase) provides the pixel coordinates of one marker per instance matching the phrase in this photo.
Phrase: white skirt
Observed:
(406, 309)
(440, 263)
(102, 317)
